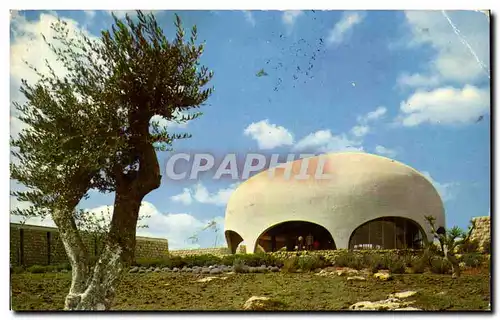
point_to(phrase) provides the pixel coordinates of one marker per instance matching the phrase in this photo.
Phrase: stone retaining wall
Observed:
(482, 231)
(30, 245)
(215, 251)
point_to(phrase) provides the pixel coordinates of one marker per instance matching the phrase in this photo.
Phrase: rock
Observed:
(262, 269)
(299, 270)
(263, 266)
(142, 270)
(215, 271)
(157, 270)
(382, 276)
(205, 270)
(318, 270)
(261, 303)
(166, 269)
(275, 269)
(175, 269)
(208, 279)
(196, 270)
(389, 304)
(188, 270)
(356, 278)
(211, 267)
(408, 309)
(403, 295)
(251, 269)
(347, 271)
(151, 269)
(134, 270)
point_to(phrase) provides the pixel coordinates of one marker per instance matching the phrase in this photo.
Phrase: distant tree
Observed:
(449, 240)
(211, 225)
(90, 129)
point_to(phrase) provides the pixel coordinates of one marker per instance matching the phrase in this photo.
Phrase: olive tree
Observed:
(449, 240)
(91, 129)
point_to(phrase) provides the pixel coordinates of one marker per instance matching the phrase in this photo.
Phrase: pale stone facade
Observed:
(361, 187)
(482, 231)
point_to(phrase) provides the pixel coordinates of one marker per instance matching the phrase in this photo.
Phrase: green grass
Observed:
(304, 291)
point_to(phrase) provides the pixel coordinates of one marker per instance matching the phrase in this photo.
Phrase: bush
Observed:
(228, 260)
(203, 260)
(38, 269)
(239, 266)
(473, 260)
(469, 247)
(349, 260)
(440, 265)
(258, 259)
(418, 264)
(375, 262)
(397, 264)
(486, 247)
(147, 262)
(16, 269)
(308, 263)
(290, 264)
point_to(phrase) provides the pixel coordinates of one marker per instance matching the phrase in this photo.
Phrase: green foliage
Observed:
(473, 260)
(17, 269)
(350, 260)
(469, 247)
(48, 268)
(440, 265)
(239, 266)
(486, 247)
(309, 263)
(418, 264)
(291, 264)
(201, 260)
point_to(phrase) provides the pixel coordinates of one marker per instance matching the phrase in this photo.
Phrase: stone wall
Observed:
(214, 251)
(482, 231)
(30, 245)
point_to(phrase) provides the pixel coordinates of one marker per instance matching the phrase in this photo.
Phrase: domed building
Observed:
(366, 202)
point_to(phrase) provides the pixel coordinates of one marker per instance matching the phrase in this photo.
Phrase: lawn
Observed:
(297, 291)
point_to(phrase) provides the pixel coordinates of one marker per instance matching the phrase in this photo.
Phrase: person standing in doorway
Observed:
(301, 242)
(316, 244)
(309, 242)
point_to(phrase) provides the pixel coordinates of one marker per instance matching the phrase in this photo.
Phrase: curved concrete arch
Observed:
(233, 239)
(291, 221)
(360, 187)
(415, 223)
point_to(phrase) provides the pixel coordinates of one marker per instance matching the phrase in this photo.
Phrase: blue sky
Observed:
(407, 85)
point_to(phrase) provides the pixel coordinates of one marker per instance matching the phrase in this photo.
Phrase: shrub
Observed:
(201, 260)
(228, 260)
(17, 269)
(148, 262)
(473, 260)
(308, 263)
(418, 264)
(396, 264)
(440, 265)
(375, 262)
(469, 247)
(239, 266)
(290, 264)
(350, 260)
(38, 269)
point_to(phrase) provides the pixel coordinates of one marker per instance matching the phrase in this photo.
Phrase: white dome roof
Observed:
(361, 187)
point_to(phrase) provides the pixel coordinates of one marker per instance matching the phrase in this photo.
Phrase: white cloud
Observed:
(342, 28)
(385, 151)
(184, 197)
(447, 190)
(249, 17)
(324, 141)
(170, 124)
(175, 227)
(269, 136)
(373, 115)
(360, 131)
(27, 45)
(417, 80)
(120, 14)
(200, 193)
(289, 17)
(455, 54)
(445, 106)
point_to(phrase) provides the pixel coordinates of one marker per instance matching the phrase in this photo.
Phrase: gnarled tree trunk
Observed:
(96, 290)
